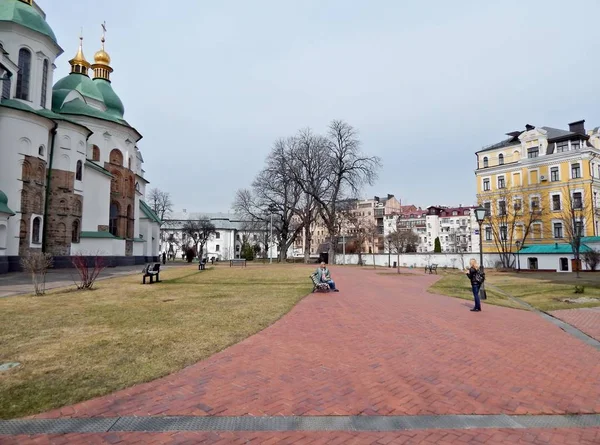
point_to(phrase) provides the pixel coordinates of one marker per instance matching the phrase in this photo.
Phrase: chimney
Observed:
(376, 198)
(390, 196)
(529, 127)
(577, 127)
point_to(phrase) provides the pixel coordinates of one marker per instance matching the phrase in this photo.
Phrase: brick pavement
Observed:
(581, 436)
(383, 345)
(586, 320)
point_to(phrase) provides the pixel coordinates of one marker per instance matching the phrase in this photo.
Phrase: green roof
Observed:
(97, 235)
(98, 168)
(79, 107)
(146, 210)
(113, 103)
(4, 204)
(16, 11)
(562, 248)
(17, 105)
(81, 83)
(590, 239)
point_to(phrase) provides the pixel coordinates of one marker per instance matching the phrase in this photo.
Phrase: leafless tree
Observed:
(512, 213)
(37, 264)
(358, 227)
(592, 259)
(199, 229)
(330, 169)
(373, 234)
(575, 211)
(160, 202)
(401, 241)
(274, 193)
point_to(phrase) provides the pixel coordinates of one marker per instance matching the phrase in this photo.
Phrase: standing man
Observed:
(164, 258)
(325, 277)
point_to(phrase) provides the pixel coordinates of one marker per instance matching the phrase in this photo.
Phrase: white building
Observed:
(70, 167)
(226, 244)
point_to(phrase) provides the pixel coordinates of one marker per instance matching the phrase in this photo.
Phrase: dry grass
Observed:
(541, 290)
(77, 345)
(456, 284)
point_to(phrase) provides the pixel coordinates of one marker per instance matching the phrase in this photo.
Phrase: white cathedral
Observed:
(71, 177)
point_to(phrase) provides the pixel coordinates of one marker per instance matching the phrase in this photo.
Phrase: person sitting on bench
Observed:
(325, 277)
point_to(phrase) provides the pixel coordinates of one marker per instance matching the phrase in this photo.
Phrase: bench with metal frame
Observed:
(431, 268)
(152, 271)
(319, 286)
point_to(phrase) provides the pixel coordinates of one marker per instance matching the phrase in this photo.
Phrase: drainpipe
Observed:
(48, 180)
(592, 198)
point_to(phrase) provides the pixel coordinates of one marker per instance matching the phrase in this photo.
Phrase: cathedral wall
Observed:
(97, 201)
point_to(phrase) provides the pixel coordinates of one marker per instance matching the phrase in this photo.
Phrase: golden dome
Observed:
(79, 64)
(102, 58)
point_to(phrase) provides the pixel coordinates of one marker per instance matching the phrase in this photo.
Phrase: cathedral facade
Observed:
(71, 177)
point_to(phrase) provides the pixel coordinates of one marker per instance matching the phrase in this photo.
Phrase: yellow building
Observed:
(539, 186)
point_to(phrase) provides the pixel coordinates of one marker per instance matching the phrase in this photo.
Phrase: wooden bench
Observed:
(151, 270)
(318, 286)
(237, 262)
(431, 268)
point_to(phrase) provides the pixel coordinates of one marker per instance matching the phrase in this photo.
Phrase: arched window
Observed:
(95, 153)
(44, 83)
(6, 84)
(116, 157)
(113, 223)
(500, 159)
(24, 74)
(35, 235)
(485, 162)
(41, 150)
(79, 171)
(129, 222)
(75, 232)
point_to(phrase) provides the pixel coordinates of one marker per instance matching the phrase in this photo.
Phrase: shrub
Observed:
(579, 289)
(37, 264)
(190, 254)
(592, 258)
(438, 245)
(88, 268)
(247, 252)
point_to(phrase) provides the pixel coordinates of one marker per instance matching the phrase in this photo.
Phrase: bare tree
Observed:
(37, 264)
(275, 194)
(173, 244)
(592, 259)
(511, 215)
(199, 230)
(160, 202)
(574, 213)
(358, 227)
(330, 169)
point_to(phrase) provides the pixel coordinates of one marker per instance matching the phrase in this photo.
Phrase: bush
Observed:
(37, 264)
(88, 268)
(190, 254)
(247, 252)
(592, 258)
(579, 289)
(438, 245)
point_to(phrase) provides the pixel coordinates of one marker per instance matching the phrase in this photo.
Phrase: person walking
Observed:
(164, 258)
(477, 277)
(325, 277)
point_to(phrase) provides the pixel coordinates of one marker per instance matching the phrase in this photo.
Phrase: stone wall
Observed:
(64, 213)
(122, 193)
(32, 201)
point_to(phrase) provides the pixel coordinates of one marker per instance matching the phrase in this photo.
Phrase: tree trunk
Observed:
(398, 264)
(307, 240)
(332, 249)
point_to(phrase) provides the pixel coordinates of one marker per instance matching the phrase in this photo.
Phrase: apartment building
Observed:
(539, 186)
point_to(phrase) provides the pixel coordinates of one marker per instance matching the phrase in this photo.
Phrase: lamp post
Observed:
(518, 243)
(272, 209)
(480, 216)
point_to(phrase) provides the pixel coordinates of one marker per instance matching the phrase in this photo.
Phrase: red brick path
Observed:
(582, 436)
(586, 320)
(382, 345)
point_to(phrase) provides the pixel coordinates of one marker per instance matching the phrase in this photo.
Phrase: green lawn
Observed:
(77, 345)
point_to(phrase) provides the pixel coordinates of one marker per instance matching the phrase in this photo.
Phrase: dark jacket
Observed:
(472, 273)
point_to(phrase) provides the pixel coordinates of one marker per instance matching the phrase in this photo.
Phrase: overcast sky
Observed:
(211, 84)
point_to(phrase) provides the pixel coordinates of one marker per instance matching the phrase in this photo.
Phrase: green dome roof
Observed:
(81, 83)
(25, 15)
(114, 106)
(4, 204)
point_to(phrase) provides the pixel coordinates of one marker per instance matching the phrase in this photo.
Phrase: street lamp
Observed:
(518, 243)
(272, 209)
(480, 214)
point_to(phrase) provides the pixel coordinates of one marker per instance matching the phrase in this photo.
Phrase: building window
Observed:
(533, 263)
(564, 264)
(502, 208)
(575, 145)
(536, 231)
(485, 162)
(75, 232)
(577, 201)
(35, 231)
(535, 203)
(488, 233)
(555, 202)
(518, 204)
(6, 85)
(562, 147)
(95, 153)
(218, 248)
(79, 171)
(503, 233)
(501, 182)
(500, 159)
(488, 208)
(44, 83)
(578, 226)
(486, 185)
(113, 223)
(116, 157)
(575, 171)
(218, 235)
(558, 230)
(24, 74)
(533, 152)
(41, 150)
(554, 174)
